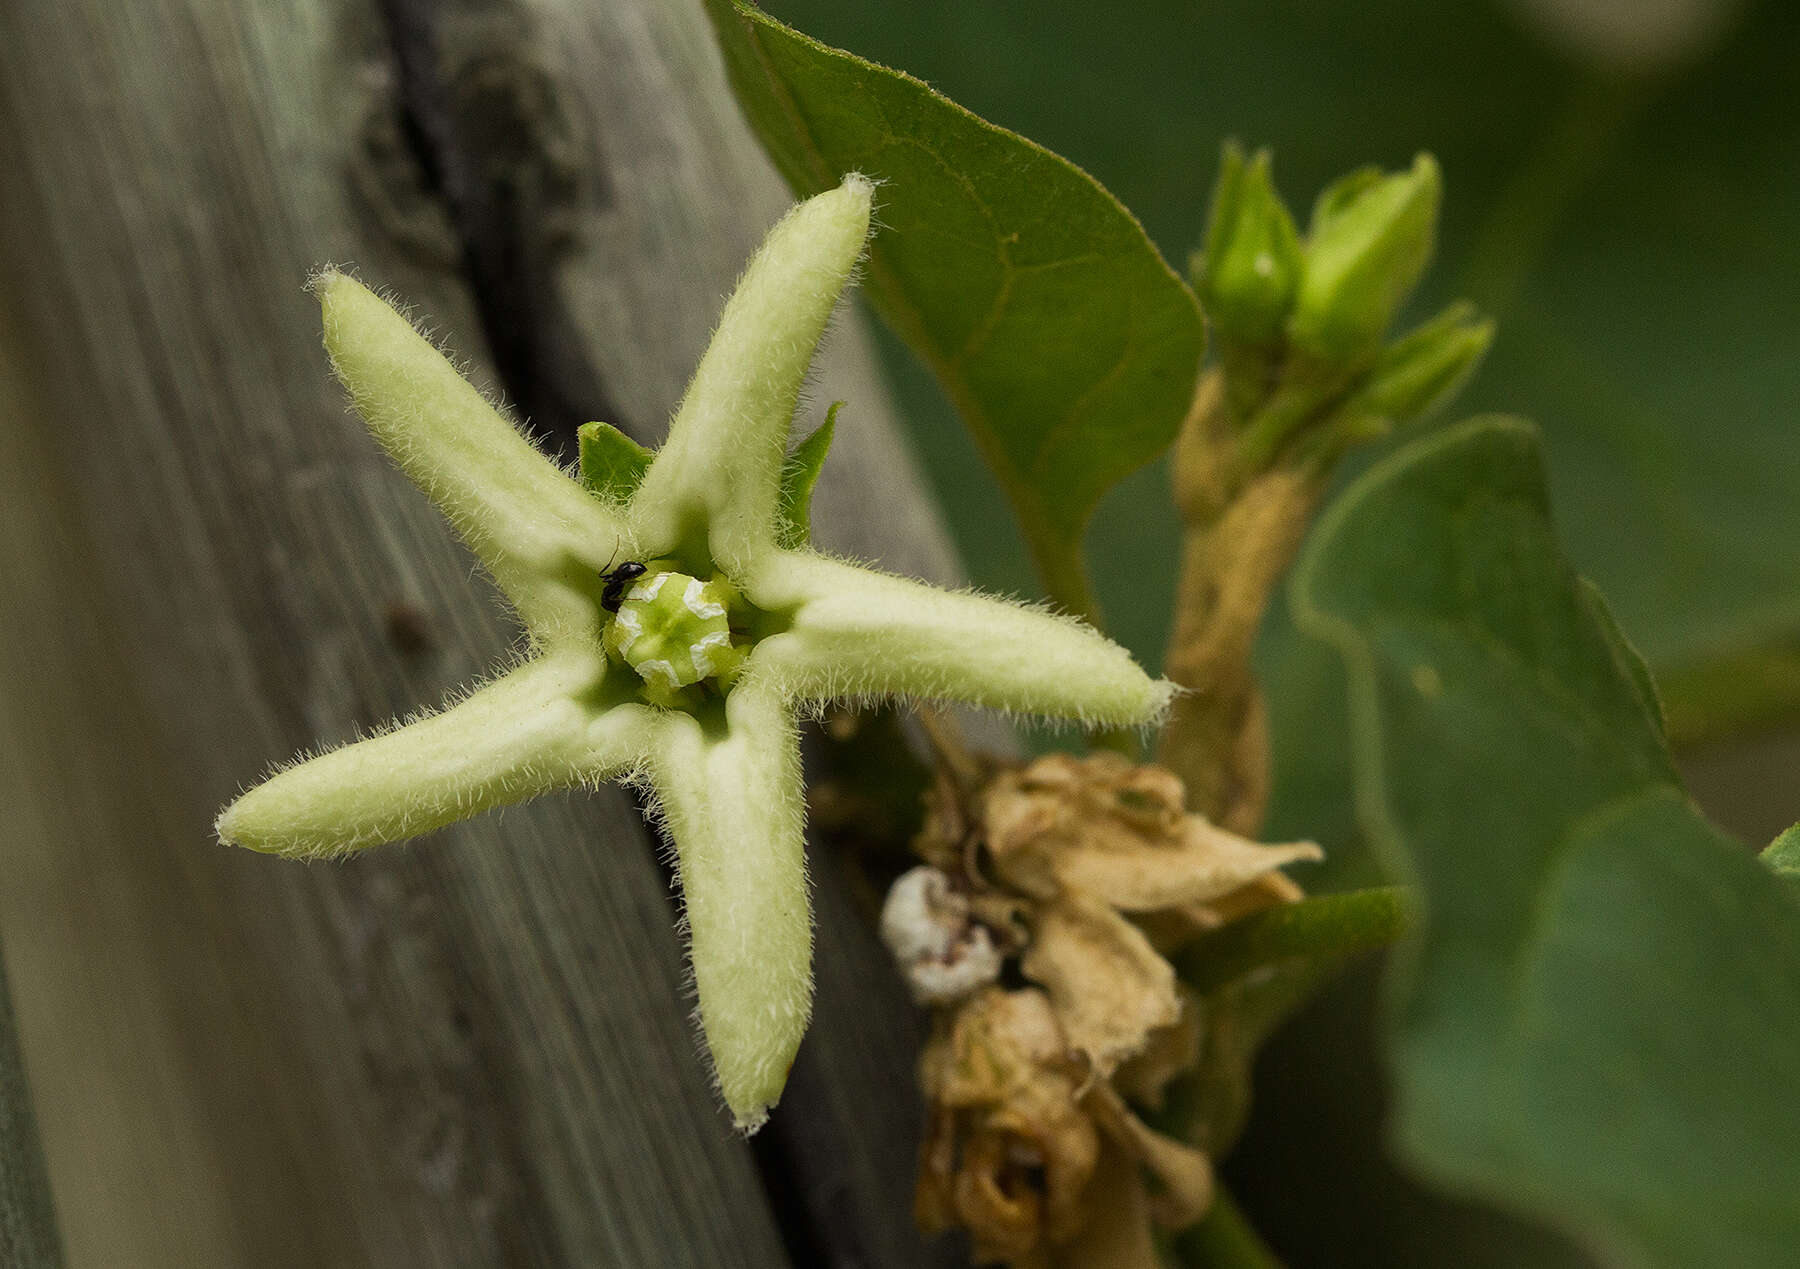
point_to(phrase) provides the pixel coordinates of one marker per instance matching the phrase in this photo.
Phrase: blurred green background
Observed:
(1623, 194)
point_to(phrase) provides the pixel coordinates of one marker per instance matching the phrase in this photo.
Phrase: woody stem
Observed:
(1240, 534)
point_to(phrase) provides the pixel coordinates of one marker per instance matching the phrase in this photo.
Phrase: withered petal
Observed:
(996, 1042)
(934, 1202)
(1196, 864)
(944, 954)
(1116, 1234)
(1105, 829)
(1107, 985)
(1065, 1145)
(1168, 1052)
(1172, 928)
(1184, 1175)
(1003, 1216)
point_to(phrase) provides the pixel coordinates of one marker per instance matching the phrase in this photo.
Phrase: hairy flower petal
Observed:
(524, 519)
(721, 465)
(732, 803)
(523, 734)
(858, 633)
(715, 742)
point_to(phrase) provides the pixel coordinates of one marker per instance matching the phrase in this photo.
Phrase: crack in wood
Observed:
(492, 139)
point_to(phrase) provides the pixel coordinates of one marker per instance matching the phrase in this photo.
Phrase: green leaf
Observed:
(799, 474)
(1636, 238)
(612, 464)
(1065, 340)
(1783, 855)
(1599, 1024)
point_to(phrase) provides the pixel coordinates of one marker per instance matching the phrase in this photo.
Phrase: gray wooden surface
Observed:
(474, 1050)
(27, 1220)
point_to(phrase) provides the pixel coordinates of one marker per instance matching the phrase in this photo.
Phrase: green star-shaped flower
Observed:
(691, 685)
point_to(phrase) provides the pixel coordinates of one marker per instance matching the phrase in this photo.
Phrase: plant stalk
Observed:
(1225, 1239)
(1332, 925)
(1240, 534)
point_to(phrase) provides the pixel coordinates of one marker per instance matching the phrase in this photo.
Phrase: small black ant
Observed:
(617, 579)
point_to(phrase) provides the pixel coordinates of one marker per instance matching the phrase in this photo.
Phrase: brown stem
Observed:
(1241, 534)
(965, 769)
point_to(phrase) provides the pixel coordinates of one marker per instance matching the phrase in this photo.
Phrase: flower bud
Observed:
(1370, 239)
(1250, 270)
(1338, 195)
(1422, 369)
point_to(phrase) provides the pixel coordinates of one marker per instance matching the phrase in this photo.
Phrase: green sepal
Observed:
(612, 464)
(1423, 369)
(1783, 856)
(1250, 271)
(1370, 241)
(793, 525)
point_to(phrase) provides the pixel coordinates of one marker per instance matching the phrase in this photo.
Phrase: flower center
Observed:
(675, 631)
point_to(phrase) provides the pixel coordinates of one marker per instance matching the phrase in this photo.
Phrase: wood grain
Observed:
(471, 1051)
(27, 1220)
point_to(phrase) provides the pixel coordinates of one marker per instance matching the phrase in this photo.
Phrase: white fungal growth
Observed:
(943, 952)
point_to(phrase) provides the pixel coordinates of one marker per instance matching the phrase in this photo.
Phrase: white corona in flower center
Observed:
(675, 631)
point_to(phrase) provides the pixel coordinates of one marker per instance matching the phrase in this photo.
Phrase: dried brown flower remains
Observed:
(1083, 871)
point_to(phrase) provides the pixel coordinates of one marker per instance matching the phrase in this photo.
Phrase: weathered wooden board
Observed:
(624, 263)
(27, 1221)
(471, 1051)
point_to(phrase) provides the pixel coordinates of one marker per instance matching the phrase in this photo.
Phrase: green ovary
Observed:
(675, 631)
